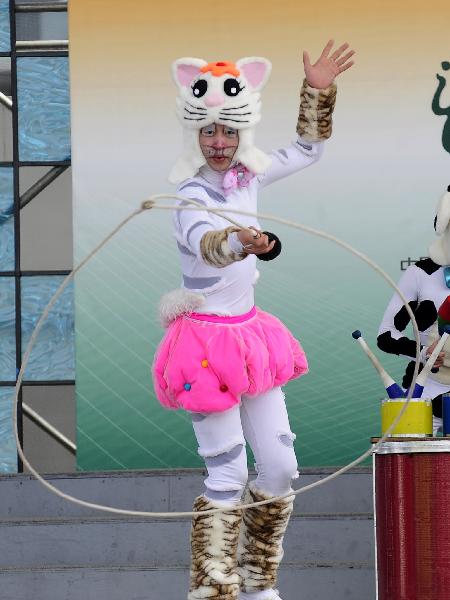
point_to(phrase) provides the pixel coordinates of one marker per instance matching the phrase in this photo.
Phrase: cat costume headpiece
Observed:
(223, 93)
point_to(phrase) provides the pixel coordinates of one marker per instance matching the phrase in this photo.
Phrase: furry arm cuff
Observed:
(316, 108)
(216, 250)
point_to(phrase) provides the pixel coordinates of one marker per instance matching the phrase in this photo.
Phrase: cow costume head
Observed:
(440, 248)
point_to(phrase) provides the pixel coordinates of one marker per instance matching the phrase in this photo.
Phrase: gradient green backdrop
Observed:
(376, 187)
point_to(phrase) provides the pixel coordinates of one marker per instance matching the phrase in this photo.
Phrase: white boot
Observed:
(264, 595)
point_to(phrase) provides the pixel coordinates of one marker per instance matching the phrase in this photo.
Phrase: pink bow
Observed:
(238, 176)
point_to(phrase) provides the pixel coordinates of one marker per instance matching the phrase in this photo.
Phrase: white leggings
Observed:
(263, 422)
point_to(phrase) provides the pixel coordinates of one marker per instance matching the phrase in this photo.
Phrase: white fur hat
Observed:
(440, 249)
(224, 93)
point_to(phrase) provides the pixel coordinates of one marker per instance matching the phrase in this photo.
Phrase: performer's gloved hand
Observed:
(440, 357)
(275, 250)
(255, 241)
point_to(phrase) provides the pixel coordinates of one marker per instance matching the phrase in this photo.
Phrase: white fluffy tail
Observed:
(178, 302)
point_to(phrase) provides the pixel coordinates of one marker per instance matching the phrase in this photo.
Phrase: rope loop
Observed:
(148, 204)
(152, 203)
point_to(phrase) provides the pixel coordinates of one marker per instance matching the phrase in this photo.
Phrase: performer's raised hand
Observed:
(322, 73)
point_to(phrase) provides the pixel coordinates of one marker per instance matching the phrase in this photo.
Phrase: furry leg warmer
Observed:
(260, 547)
(214, 540)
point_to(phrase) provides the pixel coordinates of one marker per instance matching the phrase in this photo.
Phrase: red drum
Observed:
(412, 519)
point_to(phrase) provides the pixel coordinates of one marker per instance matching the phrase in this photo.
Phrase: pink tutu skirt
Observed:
(205, 363)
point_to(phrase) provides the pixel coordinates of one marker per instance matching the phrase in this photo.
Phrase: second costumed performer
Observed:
(222, 359)
(425, 285)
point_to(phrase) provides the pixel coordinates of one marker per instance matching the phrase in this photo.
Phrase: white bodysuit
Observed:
(228, 290)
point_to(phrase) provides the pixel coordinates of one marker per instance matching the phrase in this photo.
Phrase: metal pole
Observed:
(48, 428)
(17, 278)
(41, 7)
(42, 44)
(40, 185)
(6, 101)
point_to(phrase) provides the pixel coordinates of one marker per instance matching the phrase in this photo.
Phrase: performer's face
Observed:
(218, 144)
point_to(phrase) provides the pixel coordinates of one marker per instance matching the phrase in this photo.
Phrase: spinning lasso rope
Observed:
(151, 203)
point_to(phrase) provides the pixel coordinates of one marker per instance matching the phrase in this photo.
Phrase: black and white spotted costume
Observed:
(424, 287)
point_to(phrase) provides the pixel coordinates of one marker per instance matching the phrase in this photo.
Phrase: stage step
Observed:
(52, 549)
(114, 542)
(21, 496)
(122, 583)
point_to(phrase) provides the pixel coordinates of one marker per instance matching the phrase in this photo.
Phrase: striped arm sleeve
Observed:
(216, 249)
(287, 161)
(197, 236)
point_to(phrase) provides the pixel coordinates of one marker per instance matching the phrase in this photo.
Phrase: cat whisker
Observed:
(235, 114)
(196, 107)
(191, 119)
(194, 112)
(233, 120)
(235, 107)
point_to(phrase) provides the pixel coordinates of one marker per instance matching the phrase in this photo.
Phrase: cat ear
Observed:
(256, 70)
(184, 70)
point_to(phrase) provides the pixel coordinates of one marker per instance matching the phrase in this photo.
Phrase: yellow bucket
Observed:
(416, 421)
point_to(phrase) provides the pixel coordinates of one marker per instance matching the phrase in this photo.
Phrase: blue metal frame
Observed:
(16, 164)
